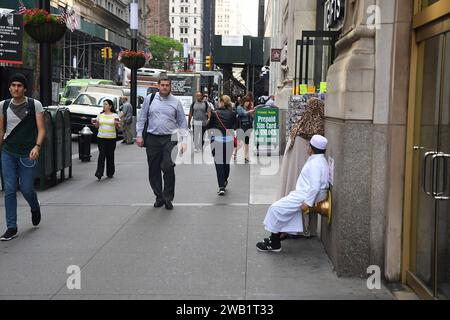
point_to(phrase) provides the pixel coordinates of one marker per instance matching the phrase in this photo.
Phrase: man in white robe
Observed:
(285, 215)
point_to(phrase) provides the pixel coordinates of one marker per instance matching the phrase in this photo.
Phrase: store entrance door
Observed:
(429, 273)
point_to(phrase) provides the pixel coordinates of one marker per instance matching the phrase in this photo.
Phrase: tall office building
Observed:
(157, 18)
(186, 20)
(228, 18)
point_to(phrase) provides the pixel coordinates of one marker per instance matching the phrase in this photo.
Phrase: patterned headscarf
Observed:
(311, 122)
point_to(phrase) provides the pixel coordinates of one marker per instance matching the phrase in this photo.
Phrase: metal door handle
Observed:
(424, 172)
(440, 195)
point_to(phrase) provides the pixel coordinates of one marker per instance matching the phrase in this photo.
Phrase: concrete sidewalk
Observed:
(126, 249)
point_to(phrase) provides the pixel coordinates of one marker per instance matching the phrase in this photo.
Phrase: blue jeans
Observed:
(14, 167)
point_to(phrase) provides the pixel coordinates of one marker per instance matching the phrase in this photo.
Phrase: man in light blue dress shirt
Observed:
(166, 119)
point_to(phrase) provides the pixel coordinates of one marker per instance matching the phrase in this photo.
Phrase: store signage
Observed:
(11, 34)
(276, 55)
(311, 89)
(323, 87)
(232, 41)
(266, 126)
(335, 13)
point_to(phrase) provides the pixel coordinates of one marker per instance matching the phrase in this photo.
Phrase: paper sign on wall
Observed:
(303, 89)
(311, 89)
(323, 87)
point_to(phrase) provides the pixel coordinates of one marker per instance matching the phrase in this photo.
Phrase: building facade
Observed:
(99, 24)
(388, 124)
(157, 17)
(186, 20)
(228, 18)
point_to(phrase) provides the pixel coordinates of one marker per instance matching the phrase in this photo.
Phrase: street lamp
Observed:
(45, 80)
(134, 26)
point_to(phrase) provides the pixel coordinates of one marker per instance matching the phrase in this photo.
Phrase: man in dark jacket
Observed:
(22, 132)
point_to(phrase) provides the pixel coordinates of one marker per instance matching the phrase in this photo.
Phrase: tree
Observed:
(163, 51)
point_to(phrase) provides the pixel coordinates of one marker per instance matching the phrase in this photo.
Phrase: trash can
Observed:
(46, 173)
(67, 142)
(58, 138)
(84, 144)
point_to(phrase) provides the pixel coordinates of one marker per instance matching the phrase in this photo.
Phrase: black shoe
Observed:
(36, 216)
(99, 176)
(10, 234)
(159, 203)
(123, 142)
(111, 176)
(268, 245)
(221, 192)
(169, 205)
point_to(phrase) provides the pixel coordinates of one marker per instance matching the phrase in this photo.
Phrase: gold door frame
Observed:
(427, 23)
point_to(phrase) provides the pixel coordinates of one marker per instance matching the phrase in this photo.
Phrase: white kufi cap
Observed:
(319, 142)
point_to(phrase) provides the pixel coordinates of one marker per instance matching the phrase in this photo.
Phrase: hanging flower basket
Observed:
(44, 27)
(133, 59)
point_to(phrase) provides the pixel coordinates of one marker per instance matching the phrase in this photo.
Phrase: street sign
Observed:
(266, 126)
(11, 38)
(275, 55)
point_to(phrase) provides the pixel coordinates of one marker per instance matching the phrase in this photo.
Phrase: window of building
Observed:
(195, 20)
(173, 9)
(173, 31)
(195, 54)
(195, 30)
(195, 10)
(195, 42)
(173, 19)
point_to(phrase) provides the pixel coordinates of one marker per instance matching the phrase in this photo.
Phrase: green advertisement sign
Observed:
(266, 126)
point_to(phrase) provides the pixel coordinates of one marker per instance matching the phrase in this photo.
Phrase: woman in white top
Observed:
(107, 124)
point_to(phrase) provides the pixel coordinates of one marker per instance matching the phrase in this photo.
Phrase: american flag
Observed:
(22, 8)
(70, 18)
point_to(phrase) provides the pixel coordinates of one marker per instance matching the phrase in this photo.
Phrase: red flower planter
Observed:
(135, 62)
(45, 32)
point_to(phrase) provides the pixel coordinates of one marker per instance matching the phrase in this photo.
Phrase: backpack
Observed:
(30, 108)
(144, 132)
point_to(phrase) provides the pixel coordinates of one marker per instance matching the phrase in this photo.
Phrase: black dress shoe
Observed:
(169, 205)
(159, 203)
(99, 176)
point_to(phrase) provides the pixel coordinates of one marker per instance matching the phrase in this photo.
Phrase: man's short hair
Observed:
(316, 150)
(164, 79)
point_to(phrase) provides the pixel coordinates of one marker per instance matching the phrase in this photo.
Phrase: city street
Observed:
(127, 249)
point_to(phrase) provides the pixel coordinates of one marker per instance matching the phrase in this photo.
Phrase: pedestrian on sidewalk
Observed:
(245, 117)
(312, 122)
(223, 123)
(107, 123)
(200, 113)
(286, 215)
(162, 116)
(22, 132)
(126, 119)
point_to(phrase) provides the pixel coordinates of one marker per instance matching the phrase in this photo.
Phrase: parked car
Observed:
(75, 86)
(88, 105)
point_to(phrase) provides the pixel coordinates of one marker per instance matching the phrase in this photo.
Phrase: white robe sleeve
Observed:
(314, 174)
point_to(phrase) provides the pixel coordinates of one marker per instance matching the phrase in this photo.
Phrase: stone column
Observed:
(366, 116)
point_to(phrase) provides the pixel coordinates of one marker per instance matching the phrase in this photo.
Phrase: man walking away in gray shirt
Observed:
(165, 116)
(126, 117)
(201, 113)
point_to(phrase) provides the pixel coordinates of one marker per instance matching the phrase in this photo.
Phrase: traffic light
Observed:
(104, 54)
(208, 63)
(109, 53)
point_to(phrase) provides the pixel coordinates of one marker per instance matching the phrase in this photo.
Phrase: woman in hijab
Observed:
(296, 153)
